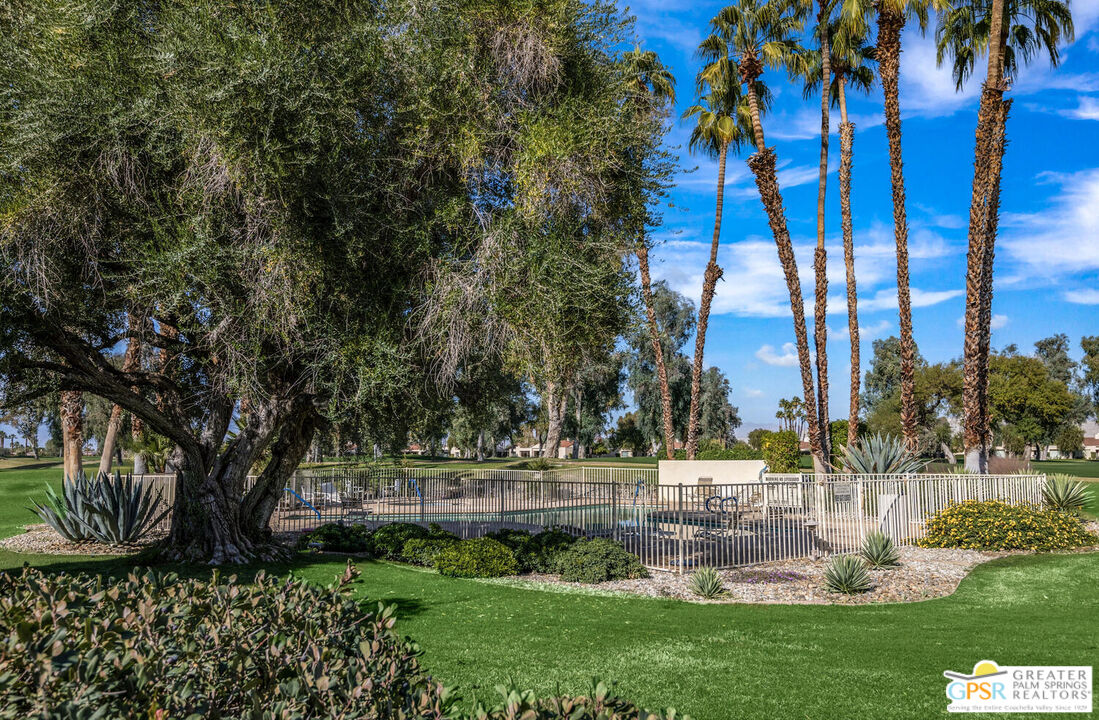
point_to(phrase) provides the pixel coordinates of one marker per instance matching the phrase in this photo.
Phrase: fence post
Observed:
(614, 509)
(681, 557)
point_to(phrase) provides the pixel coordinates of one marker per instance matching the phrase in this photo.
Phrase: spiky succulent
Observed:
(706, 583)
(108, 509)
(879, 455)
(1064, 492)
(847, 574)
(879, 551)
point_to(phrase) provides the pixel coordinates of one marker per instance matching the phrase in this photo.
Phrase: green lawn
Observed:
(711, 661)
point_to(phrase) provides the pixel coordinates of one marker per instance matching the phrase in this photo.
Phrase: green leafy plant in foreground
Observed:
(847, 574)
(996, 525)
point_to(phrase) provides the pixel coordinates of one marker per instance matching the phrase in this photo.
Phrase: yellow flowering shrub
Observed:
(996, 525)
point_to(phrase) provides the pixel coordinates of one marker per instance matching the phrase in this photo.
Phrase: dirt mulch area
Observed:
(44, 540)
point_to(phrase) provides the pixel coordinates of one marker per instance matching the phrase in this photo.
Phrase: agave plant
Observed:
(70, 512)
(109, 509)
(879, 455)
(847, 574)
(879, 551)
(1064, 492)
(706, 583)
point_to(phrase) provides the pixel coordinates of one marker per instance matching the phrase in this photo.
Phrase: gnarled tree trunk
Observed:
(890, 25)
(72, 430)
(709, 284)
(556, 398)
(658, 350)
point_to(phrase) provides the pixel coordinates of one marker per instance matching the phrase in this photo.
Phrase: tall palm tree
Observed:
(851, 58)
(131, 362)
(722, 123)
(892, 15)
(1010, 31)
(745, 39)
(655, 87)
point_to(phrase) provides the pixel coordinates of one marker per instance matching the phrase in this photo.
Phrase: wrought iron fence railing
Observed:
(670, 527)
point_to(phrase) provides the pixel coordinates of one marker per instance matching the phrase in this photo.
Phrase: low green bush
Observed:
(599, 560)
(424, 551)
(706, 583)
(152, 645)
(996, 525)
(534, 553)
(879, 551)
(782, 451)
(334, 537)
(479, 557)
(389, 540)
(1066, 493)
(157, 646)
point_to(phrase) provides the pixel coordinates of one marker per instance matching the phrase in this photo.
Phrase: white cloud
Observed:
(866, 332)
(1086, 296)
(1062, 239)
(887, 299)
(753, 392)
(1086, 109)
(788, 358)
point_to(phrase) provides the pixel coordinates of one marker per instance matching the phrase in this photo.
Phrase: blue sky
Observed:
(1047, 261)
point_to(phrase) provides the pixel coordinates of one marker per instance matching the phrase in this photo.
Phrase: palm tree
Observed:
(72, 424)
(1021, 29)
(851, 58)
(655, 87)
(892, 15)
(722, 122)
(746, 38)
(131, 362)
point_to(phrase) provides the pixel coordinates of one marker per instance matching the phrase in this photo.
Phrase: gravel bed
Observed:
(922, 574)
(44, 540)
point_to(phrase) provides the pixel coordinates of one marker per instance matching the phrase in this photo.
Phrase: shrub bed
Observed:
(389, 540)
(334, 537)
(996, 525)
(424, 551)
(599, 560)
(535, 553)
(152, 645)
(479, 557)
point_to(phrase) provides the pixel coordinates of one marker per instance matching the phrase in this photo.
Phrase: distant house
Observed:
(533, 449)
(415, 449)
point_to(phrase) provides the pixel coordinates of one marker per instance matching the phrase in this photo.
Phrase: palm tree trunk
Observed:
(890, 24)
(983, 221)
(658, 349)
(820, 257)
(709, 283)
(72, 428)
(762, 165)
(130, 362)
(847, 138)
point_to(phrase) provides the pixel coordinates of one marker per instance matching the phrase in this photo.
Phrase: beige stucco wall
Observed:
(687, 472)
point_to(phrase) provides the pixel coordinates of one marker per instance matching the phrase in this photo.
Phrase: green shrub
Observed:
(334, 537)
(538, 464)
(479, 557)
(782, 451)
(878, 550)
(706, 583)
(1066, 493)
(880, 455)
(389, 540)
(599, 560)
(847, 574)
(424, 551)
(77, 646)
(534, 553)
(995, 525)
(738, 451)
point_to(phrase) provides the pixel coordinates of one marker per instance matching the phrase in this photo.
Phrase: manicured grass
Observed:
(1078, 468)
(711, 661)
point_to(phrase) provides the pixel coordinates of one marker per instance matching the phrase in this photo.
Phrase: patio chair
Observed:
(327, 494)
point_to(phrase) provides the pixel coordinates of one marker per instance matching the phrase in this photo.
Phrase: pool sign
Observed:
(841, 492)
(1020, 688)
